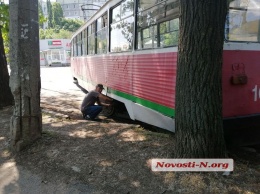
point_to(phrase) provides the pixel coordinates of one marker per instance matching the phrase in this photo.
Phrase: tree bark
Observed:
(26, 121)
(199, 125)
(6, 97)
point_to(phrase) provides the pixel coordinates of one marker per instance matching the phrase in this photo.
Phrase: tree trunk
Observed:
(26, 121)
(6, 97)
(199, 125)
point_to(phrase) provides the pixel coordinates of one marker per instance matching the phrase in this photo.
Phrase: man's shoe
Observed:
(87, 117)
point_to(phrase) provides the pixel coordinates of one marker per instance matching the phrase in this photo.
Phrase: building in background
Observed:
(73, 8)
(55, 52)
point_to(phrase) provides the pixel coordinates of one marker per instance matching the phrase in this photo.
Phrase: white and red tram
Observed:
(130, 46)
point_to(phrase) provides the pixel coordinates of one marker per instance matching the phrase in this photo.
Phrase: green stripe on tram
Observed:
(170, 112)
(157, 107)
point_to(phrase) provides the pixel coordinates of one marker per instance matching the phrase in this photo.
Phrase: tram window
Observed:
(153, 15)
(144, 4)
(83, 36)
(243, 21)
(121, 34)
(148, 37)
(116, 14)
(127, 8)
(84, 42)
(91, 39)
(99, 24)
(73, 48)
(77, 48)
(151, 12)
(79, 45)
(162, 11)
(102, 34)
(169, 32)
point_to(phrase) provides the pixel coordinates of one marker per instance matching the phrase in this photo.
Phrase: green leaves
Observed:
(4, 24)
(50, 15)
(64, 30)
(55, 34)
(42, 19)
(58, 27)
(57, 14)
(71, 24)
(4, 16)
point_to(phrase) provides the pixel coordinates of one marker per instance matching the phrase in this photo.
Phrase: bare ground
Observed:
(113, 156)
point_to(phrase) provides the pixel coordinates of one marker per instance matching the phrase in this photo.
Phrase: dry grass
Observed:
(113, 157)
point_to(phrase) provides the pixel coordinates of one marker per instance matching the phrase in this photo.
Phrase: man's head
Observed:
(99, 88)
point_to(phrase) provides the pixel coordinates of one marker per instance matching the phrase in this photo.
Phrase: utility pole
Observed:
(25, 83)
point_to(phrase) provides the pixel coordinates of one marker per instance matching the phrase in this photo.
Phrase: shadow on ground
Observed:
(79, 156)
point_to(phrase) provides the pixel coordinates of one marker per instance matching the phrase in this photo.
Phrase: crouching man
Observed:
(88, 107)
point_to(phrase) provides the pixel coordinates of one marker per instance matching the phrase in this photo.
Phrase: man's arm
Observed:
(105, 98)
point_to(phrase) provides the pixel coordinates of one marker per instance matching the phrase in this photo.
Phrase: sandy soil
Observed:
(113, 156)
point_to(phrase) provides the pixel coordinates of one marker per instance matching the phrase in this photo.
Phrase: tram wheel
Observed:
(108, 111)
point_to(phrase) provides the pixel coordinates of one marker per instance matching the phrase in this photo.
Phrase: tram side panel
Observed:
(154, 80)
(119, 73)
(241, 98)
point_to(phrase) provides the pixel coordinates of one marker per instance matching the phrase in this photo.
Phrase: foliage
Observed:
(70, 24)
(6, 97)
(57, 14)
(4, 23)
(50, 16)
(55, 34)
(58, 27)
(42, 19)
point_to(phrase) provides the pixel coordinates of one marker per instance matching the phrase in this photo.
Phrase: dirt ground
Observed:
(113, 156)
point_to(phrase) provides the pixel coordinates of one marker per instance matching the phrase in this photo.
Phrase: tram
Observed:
(130, 46)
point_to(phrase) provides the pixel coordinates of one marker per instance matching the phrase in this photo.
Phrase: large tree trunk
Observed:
(6, 97)
(26, 123)
(199, 127)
